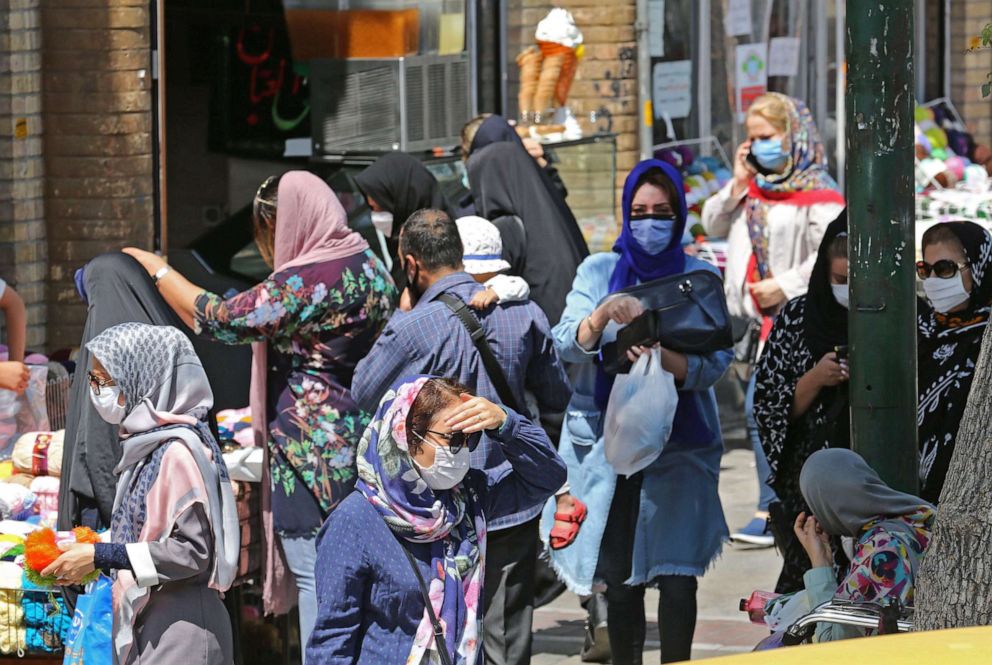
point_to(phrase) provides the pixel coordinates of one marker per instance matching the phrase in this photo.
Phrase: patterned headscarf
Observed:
(167, 396)
(947, 348)
(450, 521)
(804, 182)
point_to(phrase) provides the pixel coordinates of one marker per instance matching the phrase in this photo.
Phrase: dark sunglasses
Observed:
(96, 383)
(943, 269)
(455, 440)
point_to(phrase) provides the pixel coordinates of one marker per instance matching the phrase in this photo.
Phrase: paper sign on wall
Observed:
(656, 28)
(671, 89)
(783, 56)
(751, 80)
(738, 18)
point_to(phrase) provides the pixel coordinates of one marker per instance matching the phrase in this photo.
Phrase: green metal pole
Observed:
(880, 192)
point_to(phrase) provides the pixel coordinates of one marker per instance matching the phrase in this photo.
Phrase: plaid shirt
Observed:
(431, 340)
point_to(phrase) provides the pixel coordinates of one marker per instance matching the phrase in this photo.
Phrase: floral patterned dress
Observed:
(319, 320)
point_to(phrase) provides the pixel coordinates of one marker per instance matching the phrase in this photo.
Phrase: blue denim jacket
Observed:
(681, 527)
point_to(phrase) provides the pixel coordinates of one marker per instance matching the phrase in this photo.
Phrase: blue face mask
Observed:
(653, 234)
(769, 153)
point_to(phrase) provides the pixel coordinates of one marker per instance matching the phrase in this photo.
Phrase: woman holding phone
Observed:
(773, 212)
(800, 395)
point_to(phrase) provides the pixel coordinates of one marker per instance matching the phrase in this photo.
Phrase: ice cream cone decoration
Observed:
(569, 64)
(529, 62)
(551, 68)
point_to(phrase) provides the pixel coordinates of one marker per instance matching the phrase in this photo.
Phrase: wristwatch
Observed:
(160, 273)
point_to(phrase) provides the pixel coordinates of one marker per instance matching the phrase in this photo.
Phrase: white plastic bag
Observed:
(639, 415)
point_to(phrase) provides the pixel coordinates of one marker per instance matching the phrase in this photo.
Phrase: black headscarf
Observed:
(495, 129)
(826, 319)
(505, 184)
(948, 349)
(119, 290)
(402, 185)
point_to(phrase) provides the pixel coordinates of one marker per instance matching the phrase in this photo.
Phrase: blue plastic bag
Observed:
(90, 637)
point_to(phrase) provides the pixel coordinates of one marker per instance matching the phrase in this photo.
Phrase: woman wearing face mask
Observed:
(957, 257)
(174, 542)
(773, 213)
(417, 504)
(800, 395)
(395, 186)
(664, 525)
(309, 324)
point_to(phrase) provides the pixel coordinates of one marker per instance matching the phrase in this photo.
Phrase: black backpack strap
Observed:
(478, 335)
(442, 646)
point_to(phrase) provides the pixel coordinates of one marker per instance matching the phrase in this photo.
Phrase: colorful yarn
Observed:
(41, 550)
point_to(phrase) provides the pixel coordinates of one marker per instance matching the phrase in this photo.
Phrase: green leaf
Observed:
(986, 89)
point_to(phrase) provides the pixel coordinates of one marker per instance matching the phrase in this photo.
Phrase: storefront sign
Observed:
(751, 80)
(672, 89)
(783, 56)
(738, 18)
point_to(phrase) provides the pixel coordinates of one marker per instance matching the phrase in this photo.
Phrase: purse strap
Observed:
(442, 646)
(478, 335)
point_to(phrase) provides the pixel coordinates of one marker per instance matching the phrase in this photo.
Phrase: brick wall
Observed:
(968, 70)
(606, 81)
(98, 142)
(22, 221)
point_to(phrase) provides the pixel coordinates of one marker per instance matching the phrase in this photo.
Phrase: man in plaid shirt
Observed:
(430, 339)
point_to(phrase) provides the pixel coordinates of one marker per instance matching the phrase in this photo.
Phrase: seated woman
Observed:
(957, 258)
(418, 503)
(891, 530)
(174, 530)
(800, 392)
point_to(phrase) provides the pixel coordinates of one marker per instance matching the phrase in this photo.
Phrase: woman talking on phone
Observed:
(773, 212)
(800, 394)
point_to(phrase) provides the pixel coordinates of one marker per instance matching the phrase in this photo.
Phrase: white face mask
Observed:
(448, 468)
(383, 222)
(107, 406)
(841, 294)
(945, 294)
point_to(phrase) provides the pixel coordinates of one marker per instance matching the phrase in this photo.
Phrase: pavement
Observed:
(721, 628)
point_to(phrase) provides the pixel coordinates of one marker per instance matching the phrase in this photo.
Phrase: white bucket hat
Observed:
(483, 246)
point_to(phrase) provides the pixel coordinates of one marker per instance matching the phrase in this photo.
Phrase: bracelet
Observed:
(160, 273)
(593, 329)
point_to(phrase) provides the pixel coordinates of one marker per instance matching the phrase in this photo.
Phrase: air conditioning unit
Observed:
(411, 104)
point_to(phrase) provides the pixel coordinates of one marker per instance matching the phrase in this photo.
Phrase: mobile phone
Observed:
(753, 163)
(841, 352)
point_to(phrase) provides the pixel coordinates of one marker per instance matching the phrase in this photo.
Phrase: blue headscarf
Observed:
(635, 264)
(638, 266)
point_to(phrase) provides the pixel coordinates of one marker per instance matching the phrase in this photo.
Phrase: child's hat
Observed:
(483, 245)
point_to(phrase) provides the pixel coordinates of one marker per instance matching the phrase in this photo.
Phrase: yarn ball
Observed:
(686, 155)
(41, 549)
(696, 168)
(669, 156)
(981, 154)
(921, 113)
(956, 166)
(937, 136)
(723, 175)
(939, 154)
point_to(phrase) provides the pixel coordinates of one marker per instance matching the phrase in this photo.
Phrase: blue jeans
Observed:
(301, 557)
(766, 495)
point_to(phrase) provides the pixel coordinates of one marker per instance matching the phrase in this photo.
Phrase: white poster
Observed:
(783, 56)
(751, 80)
(671, 89)
(738, 18)
(656, 28)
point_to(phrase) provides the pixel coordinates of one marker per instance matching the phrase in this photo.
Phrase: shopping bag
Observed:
(90, 637)
(639, 415)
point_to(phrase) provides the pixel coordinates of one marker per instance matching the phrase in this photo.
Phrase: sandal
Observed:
(563, 536)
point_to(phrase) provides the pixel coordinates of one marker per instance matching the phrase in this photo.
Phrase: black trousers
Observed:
(627, 625)
(511, 559)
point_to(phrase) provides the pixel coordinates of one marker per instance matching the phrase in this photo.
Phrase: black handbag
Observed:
(686, 313)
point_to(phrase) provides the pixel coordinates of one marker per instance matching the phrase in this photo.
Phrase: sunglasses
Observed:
(944, 269)
(455, 440)
(96, 383)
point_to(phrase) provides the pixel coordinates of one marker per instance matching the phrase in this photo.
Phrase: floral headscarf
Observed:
(450, 521)
(804, 182)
